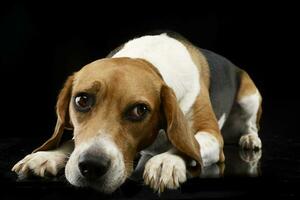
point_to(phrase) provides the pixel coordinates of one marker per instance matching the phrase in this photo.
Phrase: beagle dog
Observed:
(158, 95)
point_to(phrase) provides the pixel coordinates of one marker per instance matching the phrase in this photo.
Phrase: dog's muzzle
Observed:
(97, 163)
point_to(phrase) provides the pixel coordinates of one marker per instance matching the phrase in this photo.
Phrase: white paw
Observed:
(164, 171)
(209, 148)
(41, 163)
(250, 141)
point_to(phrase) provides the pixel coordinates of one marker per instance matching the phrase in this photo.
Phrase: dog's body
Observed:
(118, 105)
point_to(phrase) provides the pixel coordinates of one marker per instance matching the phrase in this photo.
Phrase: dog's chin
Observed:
(112, 179)
(105, 186)
(110, 182)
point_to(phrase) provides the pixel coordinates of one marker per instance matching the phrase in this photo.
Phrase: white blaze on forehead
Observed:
(109, 147)
(173, 61)
(209, 148)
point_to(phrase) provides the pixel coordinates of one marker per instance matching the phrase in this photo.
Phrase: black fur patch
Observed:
(224, 82)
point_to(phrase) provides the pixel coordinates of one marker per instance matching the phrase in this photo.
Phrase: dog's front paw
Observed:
(164, 171)
(41, 163)
(250, 141)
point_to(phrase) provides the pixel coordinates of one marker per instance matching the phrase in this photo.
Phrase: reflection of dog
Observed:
(117, 105)
(242, 162)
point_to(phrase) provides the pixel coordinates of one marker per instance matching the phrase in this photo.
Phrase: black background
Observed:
(41, 44)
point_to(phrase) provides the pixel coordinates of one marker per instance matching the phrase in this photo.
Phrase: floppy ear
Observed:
(62, 112)
(177, 128)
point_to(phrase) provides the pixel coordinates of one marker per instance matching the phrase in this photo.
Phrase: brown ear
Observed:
(177, 129)
(62, 112)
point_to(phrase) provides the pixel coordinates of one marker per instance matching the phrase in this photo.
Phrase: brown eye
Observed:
(137, 112)
(83, 102)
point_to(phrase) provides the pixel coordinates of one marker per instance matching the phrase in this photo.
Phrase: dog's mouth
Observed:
(105, 183)
(112, 179)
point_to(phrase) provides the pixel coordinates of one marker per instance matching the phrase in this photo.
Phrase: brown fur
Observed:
(118, 89)
(117, 83)
(178, 131)
(247, 87)
(203, 116)
(204, 119)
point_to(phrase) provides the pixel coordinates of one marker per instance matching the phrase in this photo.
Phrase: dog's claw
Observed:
(40, 163)
(165, 171)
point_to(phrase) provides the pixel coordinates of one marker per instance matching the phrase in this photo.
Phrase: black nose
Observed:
(93, 166)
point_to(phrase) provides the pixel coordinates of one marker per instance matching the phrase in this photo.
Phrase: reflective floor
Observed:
(239, 163)
(271, 172)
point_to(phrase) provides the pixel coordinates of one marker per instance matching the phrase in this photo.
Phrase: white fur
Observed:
(40, 163)
(242, 121)
(250, 106)
(222, 120)
(250, 141)
(114, 177)
(173, 61)
(165, 170)
(209, 148)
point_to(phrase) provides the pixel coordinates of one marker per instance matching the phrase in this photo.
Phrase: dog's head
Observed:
(116, 107)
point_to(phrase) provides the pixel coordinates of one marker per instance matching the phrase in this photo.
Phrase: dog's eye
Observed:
(83, 102)
(137, 112)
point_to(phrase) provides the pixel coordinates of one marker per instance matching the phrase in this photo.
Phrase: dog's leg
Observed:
(165, 170)
(249, 107)
(168, 170)
(206, 129)
(43, 163)
(248, 111)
